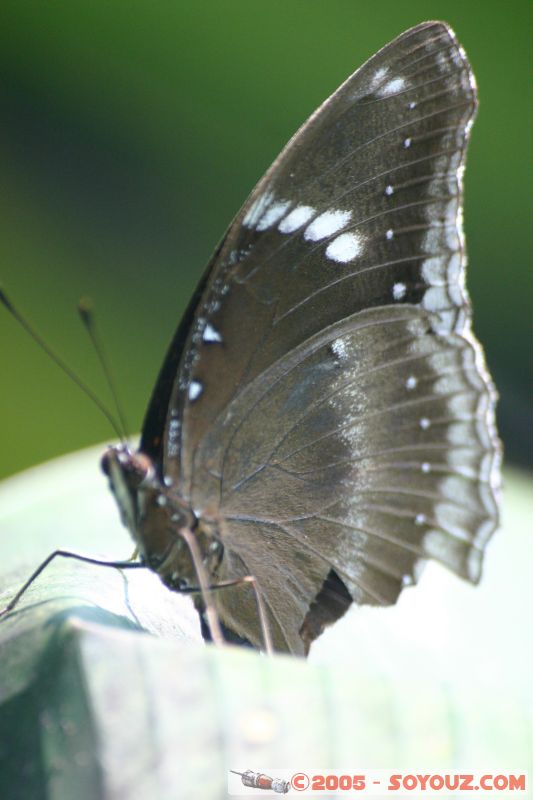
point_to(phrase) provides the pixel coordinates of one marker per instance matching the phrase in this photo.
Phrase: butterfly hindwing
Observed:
(364, 451)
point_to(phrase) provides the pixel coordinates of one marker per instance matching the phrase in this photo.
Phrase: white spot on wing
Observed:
(435, 299)
(211, 334)
(424, 423)
(327, 224)
(375, 81)
(433, 268)
(380, 74)
(389, 190)
(195, 390)
(257, 209)
(339, 348)
(344, 248)
(392, 87)
(411, 382)
(298, 217)
(173, 437)
(272, 215)
(399, 290)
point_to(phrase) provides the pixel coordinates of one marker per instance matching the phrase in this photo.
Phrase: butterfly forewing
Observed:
(331, 405)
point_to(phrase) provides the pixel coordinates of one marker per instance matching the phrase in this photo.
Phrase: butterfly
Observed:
(324, 420)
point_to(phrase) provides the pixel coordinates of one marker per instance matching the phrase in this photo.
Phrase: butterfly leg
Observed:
(248, 579)
(129, 564)
(211, 614)
(263, 621)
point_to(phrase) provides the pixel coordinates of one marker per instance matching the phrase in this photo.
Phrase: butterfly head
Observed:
(155, 514)
(130, 475)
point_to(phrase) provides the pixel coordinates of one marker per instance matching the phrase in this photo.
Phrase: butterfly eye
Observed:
(136, 468)
(104, 464)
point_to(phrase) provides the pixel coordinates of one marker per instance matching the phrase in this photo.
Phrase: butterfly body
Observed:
(323, 420)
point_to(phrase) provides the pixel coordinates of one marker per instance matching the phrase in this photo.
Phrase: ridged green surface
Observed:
(116, 714)
(94, 707)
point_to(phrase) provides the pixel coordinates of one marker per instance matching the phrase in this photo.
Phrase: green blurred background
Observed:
(130, 134)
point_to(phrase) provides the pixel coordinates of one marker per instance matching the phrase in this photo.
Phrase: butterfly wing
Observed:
(331, 404)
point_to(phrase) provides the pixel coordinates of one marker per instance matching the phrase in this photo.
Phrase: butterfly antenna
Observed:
(6, 302)
(86, 312)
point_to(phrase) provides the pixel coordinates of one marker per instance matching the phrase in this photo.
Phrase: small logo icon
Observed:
(256, 780)
(300, 782)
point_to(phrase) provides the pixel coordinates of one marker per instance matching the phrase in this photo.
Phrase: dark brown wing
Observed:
(331, 402)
